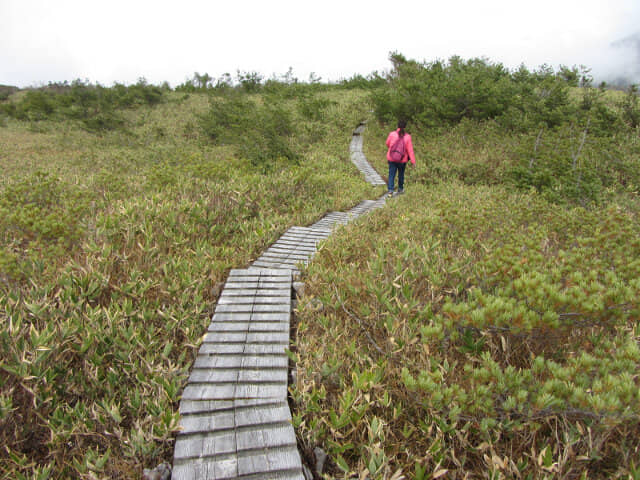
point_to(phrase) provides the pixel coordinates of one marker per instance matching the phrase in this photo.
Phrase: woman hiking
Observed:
(400, 151)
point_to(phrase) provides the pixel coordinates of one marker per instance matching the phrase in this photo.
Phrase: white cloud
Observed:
(43, 41)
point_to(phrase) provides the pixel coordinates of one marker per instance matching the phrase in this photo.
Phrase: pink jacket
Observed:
(393, 138)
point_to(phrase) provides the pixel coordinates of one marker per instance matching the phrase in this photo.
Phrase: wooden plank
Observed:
(188, 407)
(285, 253)
(303, 240)
(232, 300)
(272, 308)
(293, 474)
(228, 467)
(234, 308)
(306, 230)
(250, 349)
(280, 457)
(271, 316)
(256, 287)
(251, 308)
(198, 470)
(206, 423)
(205, 392)
(266, 416)
(261, 292)
(230, 391)
(289, 245)
(265, 438)
(249, 327)
(232, 317)
(282, 263)
(268, 255)
(276, 445)
(253, 282)
(240, 375)
(248, 272)
(241, 361)
(251, 316)
(247, 337)
(258, 463)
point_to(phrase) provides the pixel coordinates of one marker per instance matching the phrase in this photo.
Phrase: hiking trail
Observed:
(234, 417)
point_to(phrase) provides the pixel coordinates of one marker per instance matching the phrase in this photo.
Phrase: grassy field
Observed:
(111, 246)
(483, 325)
(474, 330)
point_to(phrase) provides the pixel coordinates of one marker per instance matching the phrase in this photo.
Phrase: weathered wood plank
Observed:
(258, 308)
(292, 246)
(242, 375)
(229, 467)
(249, 327)
(262, 292)
(286, 254)
(230, 391)
(235, 348)
(291, 265)
(233, 300)
(268, 417)
(247, 337)
(251, 316)
(252, 308)
(188, 407)
(241, 272)
(241, 361)
(271, 460)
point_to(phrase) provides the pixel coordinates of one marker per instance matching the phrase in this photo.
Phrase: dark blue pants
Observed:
(393, 168)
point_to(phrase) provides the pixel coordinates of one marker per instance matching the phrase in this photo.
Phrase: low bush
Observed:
(262, 129)
(97, 108)
(549, 131)
(110, 246)
(492, 333)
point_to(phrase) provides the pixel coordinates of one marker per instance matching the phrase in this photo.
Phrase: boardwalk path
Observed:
(235, 418)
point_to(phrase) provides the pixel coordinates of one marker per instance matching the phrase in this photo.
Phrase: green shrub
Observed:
(94, 106)
(260, 132)
(469, 333)
(102, 122)
(39, 215)
(560, 136)
(35, 106)
(369, 82)
(443, 93)
(631, 107)
(313, 108)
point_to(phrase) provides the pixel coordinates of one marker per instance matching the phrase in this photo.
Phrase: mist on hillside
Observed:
(620, 64)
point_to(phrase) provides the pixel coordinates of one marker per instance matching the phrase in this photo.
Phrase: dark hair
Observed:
(402, 124)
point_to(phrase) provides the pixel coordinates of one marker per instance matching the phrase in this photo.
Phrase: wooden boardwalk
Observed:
(360, 160)
(234, 416)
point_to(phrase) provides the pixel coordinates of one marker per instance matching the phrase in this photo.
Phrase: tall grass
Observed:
(111, 246)
(481, 326)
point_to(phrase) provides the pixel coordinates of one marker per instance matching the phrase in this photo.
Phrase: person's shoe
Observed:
(401, 191)
(390, 194)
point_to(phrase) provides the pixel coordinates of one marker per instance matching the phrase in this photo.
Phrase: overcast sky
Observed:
(45, 41)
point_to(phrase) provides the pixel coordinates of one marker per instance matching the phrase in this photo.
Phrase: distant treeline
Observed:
(573, 140)
(95, 106)
(443, 93)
